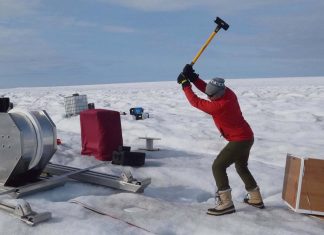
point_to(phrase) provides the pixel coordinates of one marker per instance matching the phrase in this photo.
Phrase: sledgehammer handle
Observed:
(221, 24)
(212, 35)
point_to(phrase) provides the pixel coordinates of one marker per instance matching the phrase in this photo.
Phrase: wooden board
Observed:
(290, 185)
(312, 190)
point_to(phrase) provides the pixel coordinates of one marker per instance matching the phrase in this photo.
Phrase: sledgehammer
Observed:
(221, 24)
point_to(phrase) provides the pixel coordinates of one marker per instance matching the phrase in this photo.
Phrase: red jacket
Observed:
(226, 112)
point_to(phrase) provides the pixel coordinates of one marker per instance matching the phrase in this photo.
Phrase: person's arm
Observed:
(193, 77)
(200, 84)
(206, 106)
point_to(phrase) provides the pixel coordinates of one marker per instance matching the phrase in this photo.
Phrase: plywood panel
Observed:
(290, 186)
(312, 190)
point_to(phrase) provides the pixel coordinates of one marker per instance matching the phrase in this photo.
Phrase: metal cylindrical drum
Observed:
(28, 137)
(49, 137)
(38, 137)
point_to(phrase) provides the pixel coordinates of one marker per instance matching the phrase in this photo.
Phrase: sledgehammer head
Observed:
(221, 24)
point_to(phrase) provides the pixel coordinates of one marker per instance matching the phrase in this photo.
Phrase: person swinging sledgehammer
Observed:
(223, 106)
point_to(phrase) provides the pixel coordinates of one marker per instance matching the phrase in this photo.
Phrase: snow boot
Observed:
(253, 198)
(224, 203)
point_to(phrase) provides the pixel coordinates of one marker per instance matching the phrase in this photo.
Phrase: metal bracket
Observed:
(21, 209)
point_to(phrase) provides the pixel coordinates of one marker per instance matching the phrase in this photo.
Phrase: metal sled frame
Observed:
(57, 175)
(112, 181)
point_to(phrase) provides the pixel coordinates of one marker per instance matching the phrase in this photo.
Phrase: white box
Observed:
(75, 104)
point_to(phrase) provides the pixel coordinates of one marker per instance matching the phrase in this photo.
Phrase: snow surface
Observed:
(286, 114)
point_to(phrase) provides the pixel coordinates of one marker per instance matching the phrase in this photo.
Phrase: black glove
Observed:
(183, 80)
(189, 73)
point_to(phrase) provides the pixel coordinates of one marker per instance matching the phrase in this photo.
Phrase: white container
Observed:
(75, 104)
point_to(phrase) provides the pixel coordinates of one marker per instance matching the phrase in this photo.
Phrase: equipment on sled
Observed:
(27, 143)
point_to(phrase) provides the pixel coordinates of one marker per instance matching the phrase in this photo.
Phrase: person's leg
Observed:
(224, 203)
(253, 196)
(241, 164)
(224, 159)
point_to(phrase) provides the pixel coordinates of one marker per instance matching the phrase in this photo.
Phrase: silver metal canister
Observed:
(27, 143)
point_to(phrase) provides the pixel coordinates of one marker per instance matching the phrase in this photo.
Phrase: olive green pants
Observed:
(238, 153)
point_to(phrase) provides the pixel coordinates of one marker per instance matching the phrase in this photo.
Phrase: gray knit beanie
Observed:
(215, 87)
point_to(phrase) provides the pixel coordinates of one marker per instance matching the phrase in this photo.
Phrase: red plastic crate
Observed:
(101, 133)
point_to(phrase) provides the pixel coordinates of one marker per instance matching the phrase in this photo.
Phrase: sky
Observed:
(75, 42)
